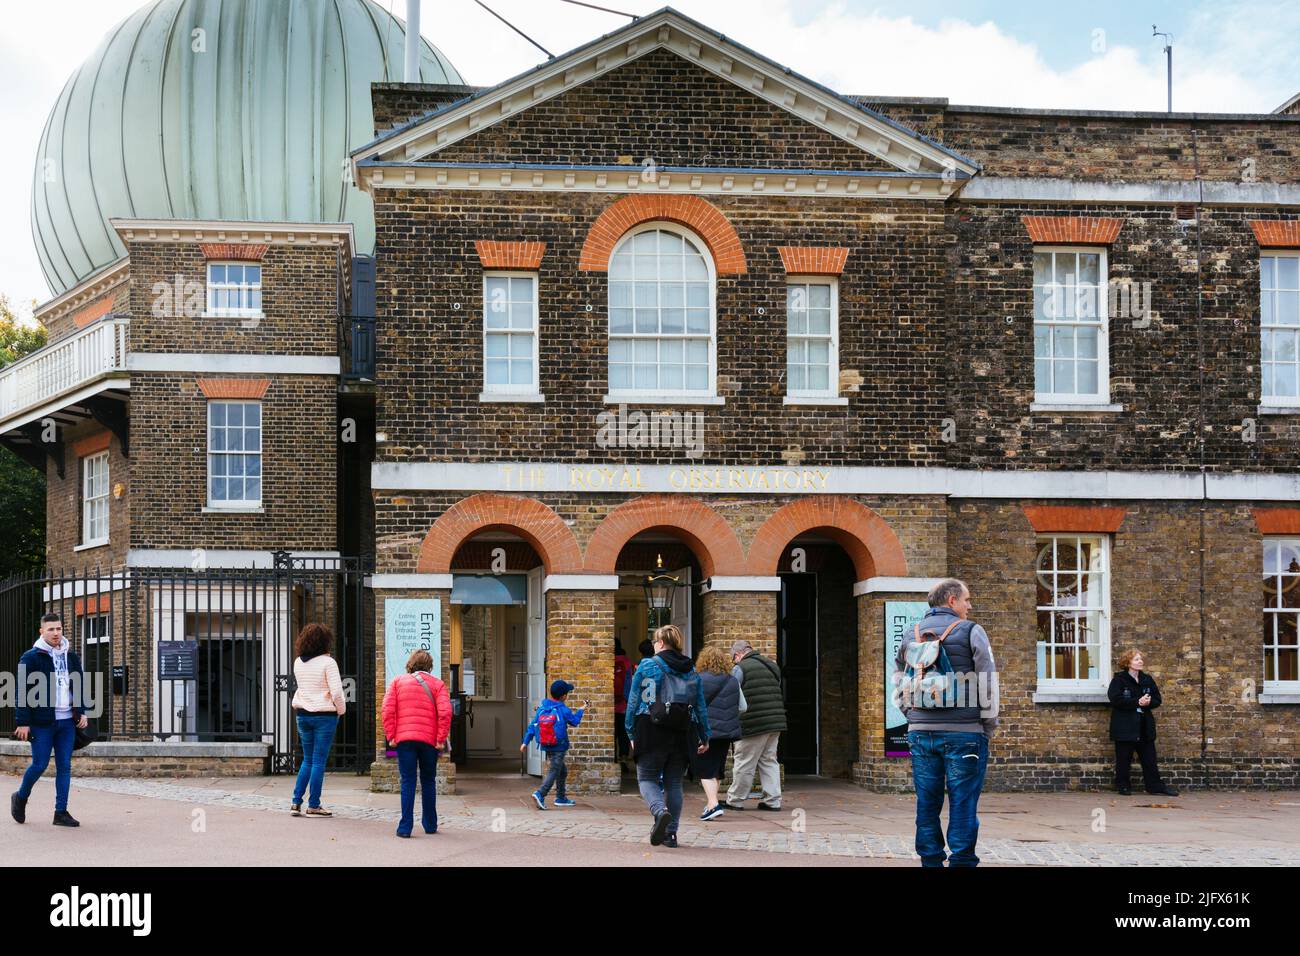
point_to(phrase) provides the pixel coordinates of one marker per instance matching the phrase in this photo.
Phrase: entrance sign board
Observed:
(899, 618)
(409, 625)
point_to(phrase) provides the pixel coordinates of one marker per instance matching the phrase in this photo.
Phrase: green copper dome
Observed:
(215, 109)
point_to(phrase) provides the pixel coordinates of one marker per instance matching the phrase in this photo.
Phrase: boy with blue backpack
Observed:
(550, 728)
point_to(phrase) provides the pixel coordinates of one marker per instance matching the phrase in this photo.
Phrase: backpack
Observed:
(547, 735)
(918, 688)
(676, 704)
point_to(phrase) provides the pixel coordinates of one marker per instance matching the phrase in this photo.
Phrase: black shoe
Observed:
(671, 840)
(62, 818)
(1165, 791)
(18, 808)
(1124, 791)
(768, 806)
(660, 829)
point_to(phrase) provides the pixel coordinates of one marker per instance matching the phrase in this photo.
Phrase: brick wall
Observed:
(579, 649)
(63, 505)
(169, 464)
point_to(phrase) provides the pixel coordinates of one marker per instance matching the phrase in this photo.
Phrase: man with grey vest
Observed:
(760, 728)
(948, 731)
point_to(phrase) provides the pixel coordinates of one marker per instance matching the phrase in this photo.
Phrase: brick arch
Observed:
(690, 211)
(533, 521)
(705, 531)
(870, 542)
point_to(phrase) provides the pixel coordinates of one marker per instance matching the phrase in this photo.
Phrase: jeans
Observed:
(413, 755)
(622, 746)
(756, 753)
(58, 737)
(556, 775)
(1146, 751)
(959, 760)
(316, 731)
(659, 778)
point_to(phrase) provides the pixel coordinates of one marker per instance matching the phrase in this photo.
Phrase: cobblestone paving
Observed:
(858, 845)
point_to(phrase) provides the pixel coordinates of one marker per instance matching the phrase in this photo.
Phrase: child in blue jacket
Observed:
(550, 728)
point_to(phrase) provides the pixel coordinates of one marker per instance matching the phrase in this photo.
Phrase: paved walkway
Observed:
(493, 820)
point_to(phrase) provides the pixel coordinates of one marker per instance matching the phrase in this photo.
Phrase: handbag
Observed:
(85, 736)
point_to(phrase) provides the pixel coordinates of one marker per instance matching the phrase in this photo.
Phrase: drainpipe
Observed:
(1200, 439)
(411, 68)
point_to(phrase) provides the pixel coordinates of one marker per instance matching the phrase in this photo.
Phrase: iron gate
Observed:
(205, 655)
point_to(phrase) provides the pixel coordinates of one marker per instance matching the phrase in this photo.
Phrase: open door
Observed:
(682, 606)
(536, 664)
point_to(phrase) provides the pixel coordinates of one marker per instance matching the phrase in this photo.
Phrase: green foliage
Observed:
(22, 487)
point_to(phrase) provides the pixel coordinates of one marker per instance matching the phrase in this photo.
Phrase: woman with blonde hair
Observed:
(666, 717)
(417, 719)
(726, 702)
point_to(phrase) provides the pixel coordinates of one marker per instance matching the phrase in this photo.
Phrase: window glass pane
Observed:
(620, 295)
(672, 295)
(521, 315)
(670, 376)
(646, 376)
(1266, 273)
(521, 346)
(647, 320)
(521, 371)
(218, 489)
(253, 489)
(1288, 308)
(697, 321)
(497, 372)
(1089, 268)
(620, 376)
(620, 321)
(1063, 378)
(819, 322)
(1288, 272)
(819, 378)
(798, 377)
(674, 321)
(697, 377)
(697, 295)
(1042, 268)
(496, 345)
(819, 352)
(697, 351)
(1087, 377)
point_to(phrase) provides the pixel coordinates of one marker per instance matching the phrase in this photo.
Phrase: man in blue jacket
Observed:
(51, 689)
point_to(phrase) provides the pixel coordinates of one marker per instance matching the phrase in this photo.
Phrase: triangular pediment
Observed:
(885, 141)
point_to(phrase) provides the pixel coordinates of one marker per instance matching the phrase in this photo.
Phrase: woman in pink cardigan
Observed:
(318, 704)
(417, 719)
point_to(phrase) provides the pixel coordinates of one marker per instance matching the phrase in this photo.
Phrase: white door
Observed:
(682, 606)
(536, 665)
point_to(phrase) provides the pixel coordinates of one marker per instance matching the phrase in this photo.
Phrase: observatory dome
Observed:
(215, 109)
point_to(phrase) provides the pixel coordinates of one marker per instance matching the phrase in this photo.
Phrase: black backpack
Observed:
(676, 702)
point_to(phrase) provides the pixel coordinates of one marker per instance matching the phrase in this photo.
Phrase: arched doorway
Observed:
(820, 547)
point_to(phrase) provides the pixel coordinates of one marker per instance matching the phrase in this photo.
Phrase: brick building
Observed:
(663, 303)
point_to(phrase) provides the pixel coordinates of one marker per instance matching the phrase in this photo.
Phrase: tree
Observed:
(22, 487)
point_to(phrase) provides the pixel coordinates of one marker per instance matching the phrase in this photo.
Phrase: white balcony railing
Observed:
(63, 368)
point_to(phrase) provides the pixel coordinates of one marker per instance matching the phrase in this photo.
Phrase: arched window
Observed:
(661, 315)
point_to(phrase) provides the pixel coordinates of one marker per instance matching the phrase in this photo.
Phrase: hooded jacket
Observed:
(647, 685)
(564, 719)
(38, 700)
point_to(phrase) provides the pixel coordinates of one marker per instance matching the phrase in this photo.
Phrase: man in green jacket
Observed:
(760, 728)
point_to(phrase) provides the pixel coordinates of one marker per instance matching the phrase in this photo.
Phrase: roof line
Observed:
(550, 64)
(763, 170)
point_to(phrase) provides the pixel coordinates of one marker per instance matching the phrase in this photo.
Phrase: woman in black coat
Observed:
(1133, 697)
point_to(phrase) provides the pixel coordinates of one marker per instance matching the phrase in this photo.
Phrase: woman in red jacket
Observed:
(417, 718)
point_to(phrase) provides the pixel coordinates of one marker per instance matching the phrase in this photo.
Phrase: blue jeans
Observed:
(58, 737)
(413, 755)
(316, 731)
(958, 760)
(556, 774)
(659, 778)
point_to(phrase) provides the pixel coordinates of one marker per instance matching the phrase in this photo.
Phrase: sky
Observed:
(1228, 57)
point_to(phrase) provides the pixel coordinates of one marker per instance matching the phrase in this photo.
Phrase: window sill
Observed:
(1082, 408)
(232, 315)
(673, 398)
(813, 400)
(1071, 697)
(1278, 410)
(210, 510)
(512, 397)
(90, 545)
(1275, 698)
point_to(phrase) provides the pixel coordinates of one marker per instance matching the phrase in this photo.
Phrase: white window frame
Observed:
(1267, 399)
(1079, 685)
(516, 391)
(86, 639)
(1270, 616)
(211, 288)
(684, 396)
(89, 499)
(243, 504)
(1102, 395)
(832, 391)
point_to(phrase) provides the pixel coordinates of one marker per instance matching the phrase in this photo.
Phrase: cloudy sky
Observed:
(1228, 56)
